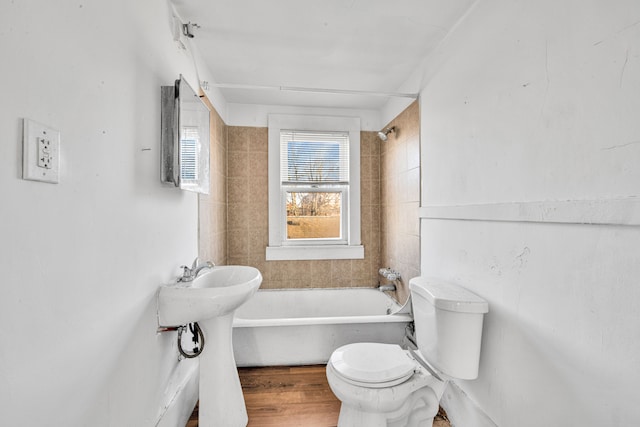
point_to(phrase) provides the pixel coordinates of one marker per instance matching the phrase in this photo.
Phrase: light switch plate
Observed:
(40, 153)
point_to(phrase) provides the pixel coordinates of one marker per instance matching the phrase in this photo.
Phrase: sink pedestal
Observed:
(221, 399)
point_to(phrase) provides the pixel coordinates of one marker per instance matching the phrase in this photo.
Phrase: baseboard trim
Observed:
(461, 410)
(181, 396)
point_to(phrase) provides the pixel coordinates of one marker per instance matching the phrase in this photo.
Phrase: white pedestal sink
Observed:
(211, 300)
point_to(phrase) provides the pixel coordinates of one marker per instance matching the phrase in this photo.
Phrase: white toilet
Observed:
(384, 385)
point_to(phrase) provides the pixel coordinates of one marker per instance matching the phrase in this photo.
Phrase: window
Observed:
(189, 142)
(314, 188)
(314, 181)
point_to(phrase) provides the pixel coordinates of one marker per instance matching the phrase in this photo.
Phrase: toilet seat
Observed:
(373, 365)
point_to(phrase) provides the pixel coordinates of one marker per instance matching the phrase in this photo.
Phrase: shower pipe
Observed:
(315, 90)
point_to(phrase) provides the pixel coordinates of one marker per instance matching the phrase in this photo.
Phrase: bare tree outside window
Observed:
(313, 215)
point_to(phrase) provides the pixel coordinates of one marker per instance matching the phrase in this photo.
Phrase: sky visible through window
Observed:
(313, 161)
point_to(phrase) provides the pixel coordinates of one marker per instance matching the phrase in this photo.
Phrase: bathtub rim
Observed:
(336, 320)
(402, 314)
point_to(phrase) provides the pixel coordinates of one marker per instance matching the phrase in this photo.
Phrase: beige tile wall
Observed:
(212, 208)
(234, 217)
(400, 195)
(247, 224)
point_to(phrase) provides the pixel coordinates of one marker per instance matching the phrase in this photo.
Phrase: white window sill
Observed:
(299, 253)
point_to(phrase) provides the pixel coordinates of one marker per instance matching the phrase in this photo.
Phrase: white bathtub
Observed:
(304, 326)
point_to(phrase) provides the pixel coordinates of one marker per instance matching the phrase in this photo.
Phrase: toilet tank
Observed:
(448, 322)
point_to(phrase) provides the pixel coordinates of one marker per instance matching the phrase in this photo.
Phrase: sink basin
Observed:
(214, 293)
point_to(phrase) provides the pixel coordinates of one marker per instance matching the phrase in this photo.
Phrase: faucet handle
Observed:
(186, 274)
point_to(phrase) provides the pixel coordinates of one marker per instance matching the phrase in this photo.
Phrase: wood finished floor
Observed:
(296, 396)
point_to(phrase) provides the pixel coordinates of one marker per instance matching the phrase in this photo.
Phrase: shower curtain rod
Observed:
(315, 90)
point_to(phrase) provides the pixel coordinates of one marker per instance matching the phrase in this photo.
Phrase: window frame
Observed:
(281, 248)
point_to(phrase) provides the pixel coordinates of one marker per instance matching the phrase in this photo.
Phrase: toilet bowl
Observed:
(383, 385)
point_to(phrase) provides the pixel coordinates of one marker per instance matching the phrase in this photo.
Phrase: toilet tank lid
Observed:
(448, 296)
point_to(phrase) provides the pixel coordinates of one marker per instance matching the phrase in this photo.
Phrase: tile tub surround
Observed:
(400, 198)
(234, 217)
(247, 218)
(212, 207)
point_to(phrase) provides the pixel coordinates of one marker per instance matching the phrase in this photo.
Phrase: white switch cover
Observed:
(40, 153)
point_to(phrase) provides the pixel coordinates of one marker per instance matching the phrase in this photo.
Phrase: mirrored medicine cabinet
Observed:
(185, 138)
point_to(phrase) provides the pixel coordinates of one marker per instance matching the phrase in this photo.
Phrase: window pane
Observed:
(189, 153)
(314, 157)
(314, 215)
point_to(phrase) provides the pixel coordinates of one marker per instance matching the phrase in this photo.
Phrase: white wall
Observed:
(256, 115)
(82, 260)
(538, 102)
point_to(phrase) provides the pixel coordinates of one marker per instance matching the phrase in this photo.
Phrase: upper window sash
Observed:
(314, 157)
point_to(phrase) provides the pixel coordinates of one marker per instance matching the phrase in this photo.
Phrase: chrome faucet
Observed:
(384, 288)
(189, 274)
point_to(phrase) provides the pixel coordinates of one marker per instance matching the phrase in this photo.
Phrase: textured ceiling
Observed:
(356, 45)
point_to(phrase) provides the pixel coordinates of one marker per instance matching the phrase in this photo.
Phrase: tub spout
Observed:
(383, 288)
